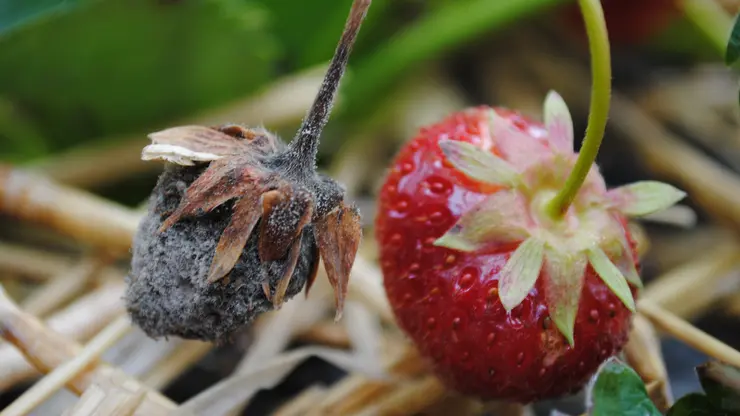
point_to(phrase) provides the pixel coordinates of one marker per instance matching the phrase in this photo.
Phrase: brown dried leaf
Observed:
(231, 244)
(284, 214)
(314, 270)
(338, 237)
(223, 180)
(185, 145)
(290, 263)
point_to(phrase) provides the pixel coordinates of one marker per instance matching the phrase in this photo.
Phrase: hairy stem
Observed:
(306, 143)
(601, 71)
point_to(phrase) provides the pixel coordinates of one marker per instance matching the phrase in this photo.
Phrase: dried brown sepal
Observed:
(290, 263)
(235, 236)
(187, 145)
(285, 212)
(338, 237)
(224, 179)
(314, 271)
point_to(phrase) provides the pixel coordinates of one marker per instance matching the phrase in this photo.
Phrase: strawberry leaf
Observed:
(611, 276)
(693, 404)
(558, 122)
(563, 286)
(646, 197)
(721, 383)
(479, 164)
(498, 219)
(618, 390)
(520, 273)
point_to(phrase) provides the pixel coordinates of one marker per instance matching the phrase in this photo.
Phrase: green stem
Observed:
(711, 19)
(438, 31)
(598, 39)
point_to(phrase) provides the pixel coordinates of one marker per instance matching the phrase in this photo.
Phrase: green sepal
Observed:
(645, 197)
(479, 164)
(520, 273)
(565, 274)
(498, 219)
(611, 276)
(558, 122)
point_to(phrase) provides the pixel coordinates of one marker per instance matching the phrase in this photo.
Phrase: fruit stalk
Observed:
(306, 143)
(598, 40)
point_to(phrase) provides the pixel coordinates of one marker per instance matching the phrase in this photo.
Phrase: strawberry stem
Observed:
(598, 40)
(303, 148)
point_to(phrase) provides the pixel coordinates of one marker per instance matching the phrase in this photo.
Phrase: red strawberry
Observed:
(503, 300)
(628, 21)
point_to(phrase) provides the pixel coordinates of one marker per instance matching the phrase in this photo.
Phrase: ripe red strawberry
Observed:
(503, 300)
(628, 21)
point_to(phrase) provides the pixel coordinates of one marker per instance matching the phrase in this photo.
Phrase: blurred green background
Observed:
(74, 72)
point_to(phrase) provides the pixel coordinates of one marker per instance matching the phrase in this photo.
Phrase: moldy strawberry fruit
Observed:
(239, 220)
(504, 299)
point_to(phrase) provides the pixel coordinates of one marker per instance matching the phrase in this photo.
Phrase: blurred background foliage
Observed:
(79, 71)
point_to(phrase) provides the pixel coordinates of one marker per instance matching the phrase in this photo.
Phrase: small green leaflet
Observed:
(499, 218)
(611, 276)
(479, 164)
(520, 273)
(559, 122)
(645, 197)
(563, 286)
(618, 390)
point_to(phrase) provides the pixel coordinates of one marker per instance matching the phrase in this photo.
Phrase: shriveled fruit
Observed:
(239, 220)
(505, 301)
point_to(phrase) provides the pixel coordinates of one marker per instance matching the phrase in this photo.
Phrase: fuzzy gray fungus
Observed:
(167, 289)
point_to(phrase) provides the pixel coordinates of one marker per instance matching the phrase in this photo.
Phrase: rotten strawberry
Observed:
(505, 296)
(238, 221)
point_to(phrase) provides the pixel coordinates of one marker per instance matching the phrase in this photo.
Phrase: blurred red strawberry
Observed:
(629, 22)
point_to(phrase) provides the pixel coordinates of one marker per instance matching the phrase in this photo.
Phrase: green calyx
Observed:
(590, 232)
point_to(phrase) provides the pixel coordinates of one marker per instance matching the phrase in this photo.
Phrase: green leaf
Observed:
(559, 122)
(693, 404)
(733, 45)
(122, 66)
(563, 285)
(520, 273)
(479, 164)
(721, 383)
(611, 276)
(618, 390)
(645, 197)
(15, 14)
(498, 219)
